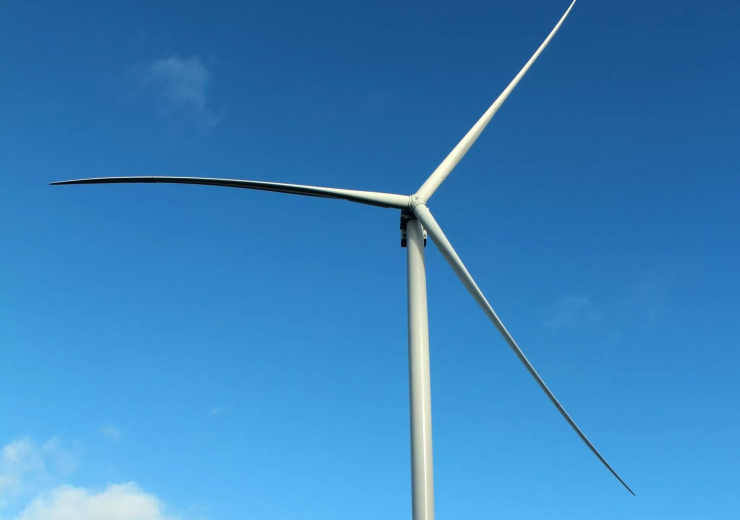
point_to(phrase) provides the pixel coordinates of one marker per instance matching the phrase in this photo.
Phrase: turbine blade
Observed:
(443, 170)
(385, 200)
(444, 246)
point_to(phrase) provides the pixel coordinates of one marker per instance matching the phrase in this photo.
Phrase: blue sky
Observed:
(203, 353)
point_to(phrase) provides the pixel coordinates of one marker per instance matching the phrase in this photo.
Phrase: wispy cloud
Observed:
(110, 432)
(572, 311)
(648, 294)
(180, 86)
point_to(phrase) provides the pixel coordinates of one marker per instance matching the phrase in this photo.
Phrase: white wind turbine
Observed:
(416, 219)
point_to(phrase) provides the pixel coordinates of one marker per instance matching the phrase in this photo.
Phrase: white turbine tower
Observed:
(415, 219)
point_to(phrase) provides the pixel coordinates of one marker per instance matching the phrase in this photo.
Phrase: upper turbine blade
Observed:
(443, 170)
(444, 246)
(385, 200)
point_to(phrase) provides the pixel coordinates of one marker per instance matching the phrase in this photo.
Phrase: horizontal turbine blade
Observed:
(443, 170)
(385, 200)
(444, 246)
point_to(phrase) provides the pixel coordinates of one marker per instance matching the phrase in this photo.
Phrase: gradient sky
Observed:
(204, 353)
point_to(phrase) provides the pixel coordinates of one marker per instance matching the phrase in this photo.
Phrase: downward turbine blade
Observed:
(385, 200)
(444, 246)
(443, 170)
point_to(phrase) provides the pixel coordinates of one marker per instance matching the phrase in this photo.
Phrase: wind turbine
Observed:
(416, 222)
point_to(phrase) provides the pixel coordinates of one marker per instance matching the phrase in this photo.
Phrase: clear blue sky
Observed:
(225, 354)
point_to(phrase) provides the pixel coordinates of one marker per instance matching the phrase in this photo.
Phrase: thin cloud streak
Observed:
(218, 410)
(110, 432)
(573, 311)
(648, 295)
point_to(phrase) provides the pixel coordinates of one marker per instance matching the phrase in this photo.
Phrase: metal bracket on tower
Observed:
(405, 218)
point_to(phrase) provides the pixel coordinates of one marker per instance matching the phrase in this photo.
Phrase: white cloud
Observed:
(110, 432)
(24, 466)
(115, 502)
(180, 86)
(572, 311)
(30, 478)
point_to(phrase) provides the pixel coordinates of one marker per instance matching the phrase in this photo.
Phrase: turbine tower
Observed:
(416, 222)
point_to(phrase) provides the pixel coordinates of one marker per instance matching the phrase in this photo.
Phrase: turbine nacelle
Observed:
(405, 217)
